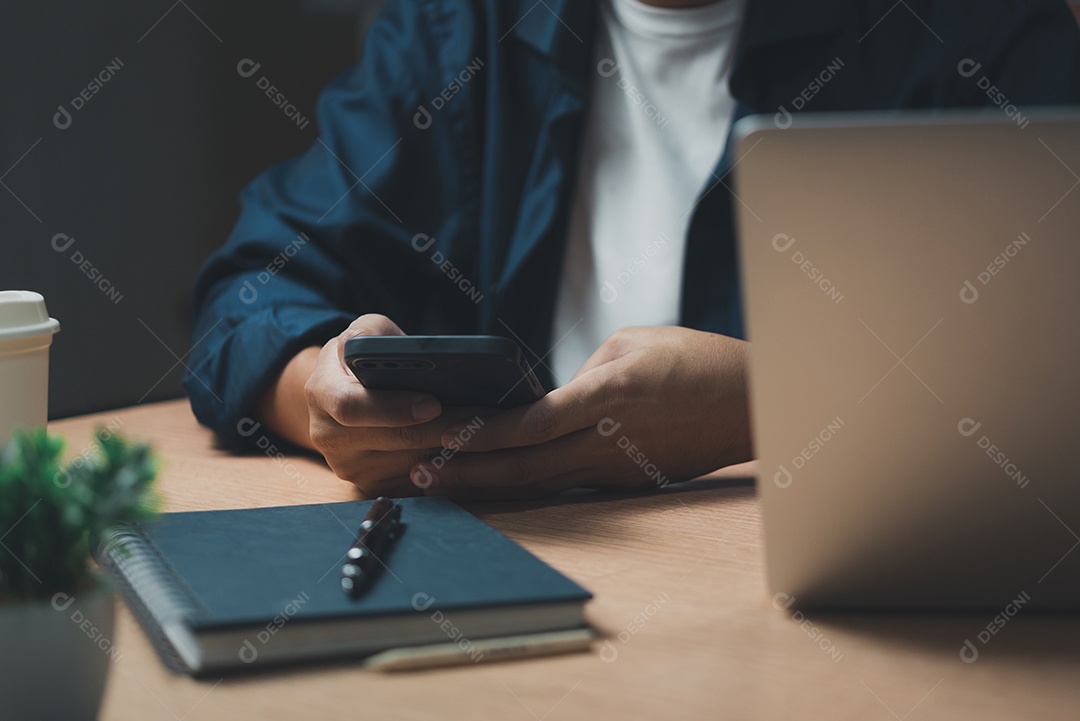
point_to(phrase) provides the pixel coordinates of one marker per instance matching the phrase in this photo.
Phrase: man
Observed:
(556, 172)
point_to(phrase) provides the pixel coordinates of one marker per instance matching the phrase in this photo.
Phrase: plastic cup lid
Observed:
(23, 315)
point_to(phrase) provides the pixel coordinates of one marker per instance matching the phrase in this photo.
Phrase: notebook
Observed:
(228, 590)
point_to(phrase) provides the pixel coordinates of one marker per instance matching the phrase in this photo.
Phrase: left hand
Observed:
(652, 405)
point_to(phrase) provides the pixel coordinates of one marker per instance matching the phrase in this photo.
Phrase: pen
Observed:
(483, 650)
(380, 526)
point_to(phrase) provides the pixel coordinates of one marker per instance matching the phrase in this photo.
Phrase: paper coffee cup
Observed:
(26, 332)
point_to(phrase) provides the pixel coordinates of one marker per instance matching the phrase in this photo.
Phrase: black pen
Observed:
(381, 525)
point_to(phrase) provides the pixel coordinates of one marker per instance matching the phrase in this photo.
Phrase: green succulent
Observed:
(53, 515)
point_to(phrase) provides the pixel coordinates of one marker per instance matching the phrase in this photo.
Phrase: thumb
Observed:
(370, 324)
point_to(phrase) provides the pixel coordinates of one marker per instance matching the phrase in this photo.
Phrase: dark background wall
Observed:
(145, 177)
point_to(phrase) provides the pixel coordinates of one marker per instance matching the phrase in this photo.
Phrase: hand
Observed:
(651, 406)
(372, 438)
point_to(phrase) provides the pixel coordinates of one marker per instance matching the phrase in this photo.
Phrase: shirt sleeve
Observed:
(327, 236)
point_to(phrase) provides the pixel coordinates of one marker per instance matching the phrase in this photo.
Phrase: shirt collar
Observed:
(562, 29)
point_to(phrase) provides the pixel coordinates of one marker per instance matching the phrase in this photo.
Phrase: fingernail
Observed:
(423, 479)
(425, 409)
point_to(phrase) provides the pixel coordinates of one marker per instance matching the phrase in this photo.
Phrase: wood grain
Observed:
(687, 628)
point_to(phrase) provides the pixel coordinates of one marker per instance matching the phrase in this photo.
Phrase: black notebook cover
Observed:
(246, 568)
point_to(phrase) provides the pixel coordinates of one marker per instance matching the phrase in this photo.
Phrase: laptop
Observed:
(912, 294)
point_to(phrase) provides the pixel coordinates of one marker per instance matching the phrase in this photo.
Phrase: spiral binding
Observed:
(150, 588)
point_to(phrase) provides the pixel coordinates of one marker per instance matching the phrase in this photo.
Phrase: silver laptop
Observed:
(912, 294)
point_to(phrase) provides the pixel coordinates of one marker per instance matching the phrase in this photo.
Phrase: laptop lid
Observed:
(913, 302)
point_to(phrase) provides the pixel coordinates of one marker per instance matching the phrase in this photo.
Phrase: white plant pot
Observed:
(55, 656)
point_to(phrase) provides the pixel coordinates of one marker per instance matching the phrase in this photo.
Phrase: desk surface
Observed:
(680, 599)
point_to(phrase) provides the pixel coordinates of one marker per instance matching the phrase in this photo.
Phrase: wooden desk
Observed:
(678, 577)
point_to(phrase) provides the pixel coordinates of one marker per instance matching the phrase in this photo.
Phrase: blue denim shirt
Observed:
(439, 190)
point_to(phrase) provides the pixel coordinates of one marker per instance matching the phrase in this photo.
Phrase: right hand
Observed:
(372, 438)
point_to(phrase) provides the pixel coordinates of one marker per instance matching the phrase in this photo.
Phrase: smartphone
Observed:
(459, 370)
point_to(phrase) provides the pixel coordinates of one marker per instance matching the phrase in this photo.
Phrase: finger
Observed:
(378, 473)
(373, 324)
(579, 404)
(401, 438)
(560, 464)
(370, 324)
(336, 392)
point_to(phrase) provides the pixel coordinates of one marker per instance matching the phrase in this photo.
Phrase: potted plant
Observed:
(56, 611)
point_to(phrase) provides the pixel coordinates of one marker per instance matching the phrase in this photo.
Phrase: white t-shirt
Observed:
(655, 129)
